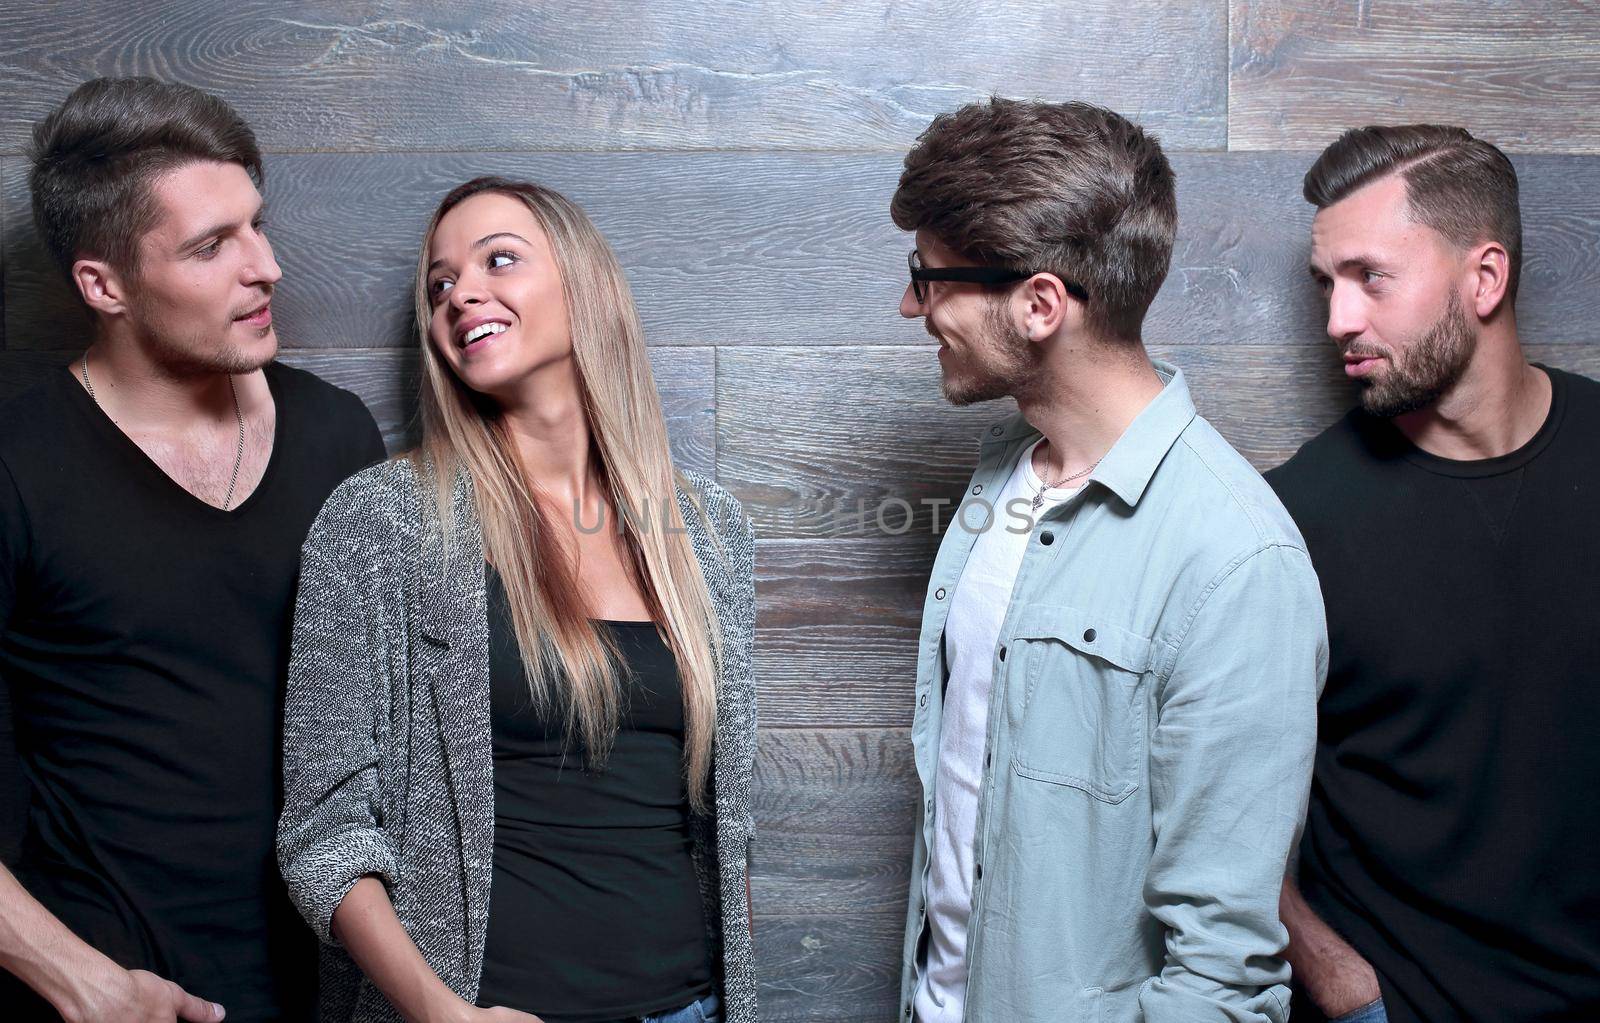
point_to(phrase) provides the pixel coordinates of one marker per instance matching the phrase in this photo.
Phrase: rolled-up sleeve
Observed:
(1230, 772)
(336, 709)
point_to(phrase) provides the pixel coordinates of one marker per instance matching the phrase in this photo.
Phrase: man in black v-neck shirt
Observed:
(1447, 867)
(153, 499)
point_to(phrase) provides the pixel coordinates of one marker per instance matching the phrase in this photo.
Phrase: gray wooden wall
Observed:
(740, 156)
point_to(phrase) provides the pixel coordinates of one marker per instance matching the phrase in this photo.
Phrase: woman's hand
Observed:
(459, 1011)
(500, 1014)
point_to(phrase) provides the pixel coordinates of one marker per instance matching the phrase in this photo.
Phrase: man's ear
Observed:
(1043, 306)
(1491, 278)
(102, 287)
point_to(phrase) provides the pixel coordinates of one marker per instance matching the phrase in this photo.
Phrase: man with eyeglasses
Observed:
(1123, 639)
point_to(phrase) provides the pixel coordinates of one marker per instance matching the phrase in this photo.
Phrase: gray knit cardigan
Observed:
(388, 759)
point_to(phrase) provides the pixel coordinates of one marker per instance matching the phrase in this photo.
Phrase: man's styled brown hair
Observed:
(1069, 188)
(1462, 187)
(95, 156)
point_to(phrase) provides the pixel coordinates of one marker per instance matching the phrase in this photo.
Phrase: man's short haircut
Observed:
(1462, 187)
(1069, 188)
(96, 155)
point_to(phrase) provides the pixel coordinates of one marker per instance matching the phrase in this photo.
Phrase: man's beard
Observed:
(187, 353)
(1000, 364)
(1428, 367)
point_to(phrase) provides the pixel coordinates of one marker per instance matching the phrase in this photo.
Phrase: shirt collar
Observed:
(1126, 470)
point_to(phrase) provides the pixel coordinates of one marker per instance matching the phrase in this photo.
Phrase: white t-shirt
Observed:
(977, 609)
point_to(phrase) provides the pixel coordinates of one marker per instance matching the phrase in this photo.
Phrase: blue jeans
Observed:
(706, 1010)
(1372, 1012)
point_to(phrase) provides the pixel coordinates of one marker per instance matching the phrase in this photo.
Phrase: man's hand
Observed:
(135, 996)
(81, 983)
(1344, 987)
(1334, 974)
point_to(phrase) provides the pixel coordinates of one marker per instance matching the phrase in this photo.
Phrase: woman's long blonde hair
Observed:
(570, 662)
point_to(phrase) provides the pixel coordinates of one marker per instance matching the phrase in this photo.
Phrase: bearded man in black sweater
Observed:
(1447, 870)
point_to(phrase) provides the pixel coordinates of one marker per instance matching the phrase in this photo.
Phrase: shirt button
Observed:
(1047, 538)
(977, 490)
(993, 432)
(979, 876)
(988, 758)
(1002, 653)
(1089, 635)
(922, 701)
(939, 593)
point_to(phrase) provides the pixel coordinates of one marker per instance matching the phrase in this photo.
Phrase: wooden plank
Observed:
(867, 428)
(839, 618)
(798, 248)
(1239, 264)
(835, 809)
(836, 968)
(741, 248)
(386, 379)
(857, 428)
(1525, 76)
(837, 630)
(412, 75)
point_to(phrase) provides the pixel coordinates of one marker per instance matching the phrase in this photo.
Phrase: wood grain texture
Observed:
(864, 428)
(728, 74)
(740, 155)
(835, 809)
(837, 630)
(386, 380)
(752, 248)
(829, 969)
(735, 248)
(1525, 76)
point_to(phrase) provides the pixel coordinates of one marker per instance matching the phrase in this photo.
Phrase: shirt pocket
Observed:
(1083, 714)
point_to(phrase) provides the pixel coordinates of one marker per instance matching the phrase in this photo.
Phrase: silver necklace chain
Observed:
(238, 455)
(1038, 498)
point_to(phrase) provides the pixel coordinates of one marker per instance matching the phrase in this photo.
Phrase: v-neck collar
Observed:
(146, 466)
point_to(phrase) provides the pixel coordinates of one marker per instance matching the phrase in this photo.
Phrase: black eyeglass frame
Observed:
(989, 276)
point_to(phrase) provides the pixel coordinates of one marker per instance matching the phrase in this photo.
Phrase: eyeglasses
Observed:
(986, 275)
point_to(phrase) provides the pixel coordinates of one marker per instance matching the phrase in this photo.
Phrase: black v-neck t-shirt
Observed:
(144, 639)
(595, 912)
(1451, 836)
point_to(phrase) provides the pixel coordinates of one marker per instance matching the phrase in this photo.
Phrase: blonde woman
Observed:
(520, 721)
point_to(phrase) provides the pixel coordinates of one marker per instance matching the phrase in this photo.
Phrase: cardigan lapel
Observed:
(452, 619)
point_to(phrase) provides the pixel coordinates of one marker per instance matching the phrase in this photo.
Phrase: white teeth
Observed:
(483, 330)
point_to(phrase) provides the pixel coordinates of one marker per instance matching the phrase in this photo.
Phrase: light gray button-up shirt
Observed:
(1150, 737)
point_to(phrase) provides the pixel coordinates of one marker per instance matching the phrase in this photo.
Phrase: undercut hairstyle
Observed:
(1460, 186)
(96, 155)
(1066, 188)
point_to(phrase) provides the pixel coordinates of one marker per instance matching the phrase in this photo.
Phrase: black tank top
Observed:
(595, 911)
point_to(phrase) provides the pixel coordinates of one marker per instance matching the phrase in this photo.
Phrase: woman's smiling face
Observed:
(498, 313)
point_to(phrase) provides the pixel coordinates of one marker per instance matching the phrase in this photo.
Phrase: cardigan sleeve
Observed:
(742, 628)
(331, 833)
(734, 591)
